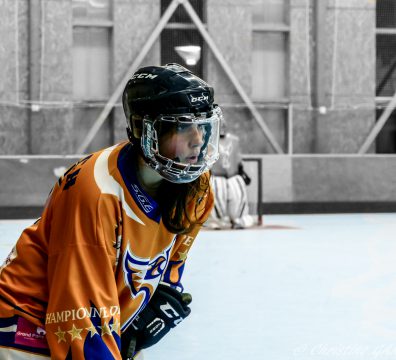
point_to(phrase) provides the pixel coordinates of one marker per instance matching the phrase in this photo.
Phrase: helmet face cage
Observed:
(181, 147)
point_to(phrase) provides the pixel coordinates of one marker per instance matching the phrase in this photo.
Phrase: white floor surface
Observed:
(302, 287)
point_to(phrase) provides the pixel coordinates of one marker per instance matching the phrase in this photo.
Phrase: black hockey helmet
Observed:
(163, 98)
(169, 89)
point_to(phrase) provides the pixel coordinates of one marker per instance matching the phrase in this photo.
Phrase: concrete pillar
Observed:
(350, 77)
(134, 20)
(34, 70)
(13, 77)
(300, 75)
(338, 73)
(52, 126)
(233, 35)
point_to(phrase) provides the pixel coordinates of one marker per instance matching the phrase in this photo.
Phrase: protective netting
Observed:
(386, 71)
(386, 48)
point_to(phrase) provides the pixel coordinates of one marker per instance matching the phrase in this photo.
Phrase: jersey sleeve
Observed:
(83, 313)
(183, 244)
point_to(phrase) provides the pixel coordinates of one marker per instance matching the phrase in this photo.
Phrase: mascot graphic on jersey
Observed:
(142, 276)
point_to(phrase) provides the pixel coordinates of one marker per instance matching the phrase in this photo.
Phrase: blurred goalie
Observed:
(229, 181)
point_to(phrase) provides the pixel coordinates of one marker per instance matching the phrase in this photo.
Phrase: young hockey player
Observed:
(98, 276)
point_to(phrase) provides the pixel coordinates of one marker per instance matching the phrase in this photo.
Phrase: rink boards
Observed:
(276, 179)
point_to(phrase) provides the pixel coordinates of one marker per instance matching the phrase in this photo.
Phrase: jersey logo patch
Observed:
(144, 202)
(28, 334)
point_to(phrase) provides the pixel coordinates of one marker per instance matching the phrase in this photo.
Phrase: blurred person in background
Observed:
(229, 181)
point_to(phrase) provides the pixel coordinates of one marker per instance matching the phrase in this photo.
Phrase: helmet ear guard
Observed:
(134, 128)
(137, 125)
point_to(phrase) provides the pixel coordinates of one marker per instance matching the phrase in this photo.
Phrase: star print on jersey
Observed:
(142, 276)
(61, 335)
(182, 255)
(91, 330)
(115, 327)
(105, 329)
(75, 333)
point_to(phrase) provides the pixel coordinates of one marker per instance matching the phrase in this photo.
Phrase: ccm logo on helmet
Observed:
(201, 98)
(144, 76)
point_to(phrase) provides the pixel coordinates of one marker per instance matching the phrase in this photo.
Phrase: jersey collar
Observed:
(127, 166)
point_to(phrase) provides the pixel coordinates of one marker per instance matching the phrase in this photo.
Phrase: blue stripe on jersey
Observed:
(167, 274)
(94, 346)
(127, 166)
(6, 322)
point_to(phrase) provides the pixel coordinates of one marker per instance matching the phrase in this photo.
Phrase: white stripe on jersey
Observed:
(108, 185)
(11, 328)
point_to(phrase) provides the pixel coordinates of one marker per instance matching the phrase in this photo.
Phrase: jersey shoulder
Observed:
(91, 172)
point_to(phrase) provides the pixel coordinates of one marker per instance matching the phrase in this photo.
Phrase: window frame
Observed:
(101, 23)
(282, 103)
(380, 100)
(277, 28)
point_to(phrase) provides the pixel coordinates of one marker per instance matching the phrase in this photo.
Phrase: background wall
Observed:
(328, 104)
(44, 61)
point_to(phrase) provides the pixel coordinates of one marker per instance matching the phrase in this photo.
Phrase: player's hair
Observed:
(174, 199)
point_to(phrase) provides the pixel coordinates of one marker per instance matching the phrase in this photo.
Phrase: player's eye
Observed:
(184, 127)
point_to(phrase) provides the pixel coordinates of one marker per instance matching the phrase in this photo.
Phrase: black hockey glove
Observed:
(167, 308)
(245, 177)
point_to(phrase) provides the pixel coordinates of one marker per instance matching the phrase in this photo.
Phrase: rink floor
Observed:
(301, 287)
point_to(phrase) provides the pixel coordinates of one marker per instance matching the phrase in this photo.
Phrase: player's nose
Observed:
(196, 137)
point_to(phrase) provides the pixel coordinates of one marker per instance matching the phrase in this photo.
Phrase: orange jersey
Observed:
(93, 260)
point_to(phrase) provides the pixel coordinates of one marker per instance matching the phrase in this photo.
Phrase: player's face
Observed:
(183, 144)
